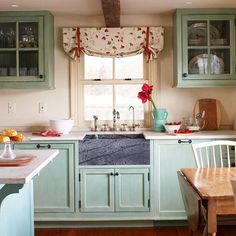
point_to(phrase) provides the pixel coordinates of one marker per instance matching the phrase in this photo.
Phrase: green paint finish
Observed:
(54, 187)
(29, 58)
(114, 190)
(170, 156)
(132, 190)
(182, 50)
(97, 190)
(16, 210)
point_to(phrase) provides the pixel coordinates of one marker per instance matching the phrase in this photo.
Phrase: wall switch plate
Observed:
(11, 107)
(42, 107)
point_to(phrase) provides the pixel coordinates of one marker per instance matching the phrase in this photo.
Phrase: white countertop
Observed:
(218, 134)
(23, 174)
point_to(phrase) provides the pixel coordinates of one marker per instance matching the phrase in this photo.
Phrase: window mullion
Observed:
(113, 86)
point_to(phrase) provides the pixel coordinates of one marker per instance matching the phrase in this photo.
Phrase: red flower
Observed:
(147, 88)
(145, 94)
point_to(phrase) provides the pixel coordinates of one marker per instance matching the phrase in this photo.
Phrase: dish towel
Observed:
(48, 133)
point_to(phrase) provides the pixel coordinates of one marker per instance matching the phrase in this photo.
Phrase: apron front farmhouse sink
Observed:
(114, 149)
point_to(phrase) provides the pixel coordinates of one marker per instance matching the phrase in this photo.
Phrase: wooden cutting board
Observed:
(212, 112)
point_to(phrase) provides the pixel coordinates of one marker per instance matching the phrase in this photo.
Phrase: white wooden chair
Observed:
(221, 153)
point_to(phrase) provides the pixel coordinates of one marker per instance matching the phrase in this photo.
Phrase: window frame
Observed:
(77, 98)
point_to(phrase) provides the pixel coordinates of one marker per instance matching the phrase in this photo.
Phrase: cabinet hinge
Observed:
(148, 176)
(79, 177)
(79, 204)
(149, 203)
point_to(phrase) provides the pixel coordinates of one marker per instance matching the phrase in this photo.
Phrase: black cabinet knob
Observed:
(41, 76)
(185, 75)
(116, 173)
(111, 174)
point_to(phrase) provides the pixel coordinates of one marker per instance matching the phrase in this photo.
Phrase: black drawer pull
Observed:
(43, 146)
(116, 173)
(111, 174)
(184, 141)
(41, 76)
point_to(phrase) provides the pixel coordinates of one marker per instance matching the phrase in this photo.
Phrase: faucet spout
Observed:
(133, 123)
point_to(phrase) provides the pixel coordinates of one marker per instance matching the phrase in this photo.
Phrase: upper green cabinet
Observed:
(26, 50)
(204, 47)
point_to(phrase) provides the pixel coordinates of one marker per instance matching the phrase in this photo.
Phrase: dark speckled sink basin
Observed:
(114, 149)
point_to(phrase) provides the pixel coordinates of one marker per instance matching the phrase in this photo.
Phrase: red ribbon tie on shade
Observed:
(78, 49)
(147, 51)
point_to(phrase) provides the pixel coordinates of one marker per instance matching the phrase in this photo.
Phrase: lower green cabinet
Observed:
(114, 190)
(170, 156)
(54, 188)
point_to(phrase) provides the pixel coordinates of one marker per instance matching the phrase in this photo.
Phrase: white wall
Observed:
(179, 102)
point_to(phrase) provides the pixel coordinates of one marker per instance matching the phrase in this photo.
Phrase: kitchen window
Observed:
(105, 84)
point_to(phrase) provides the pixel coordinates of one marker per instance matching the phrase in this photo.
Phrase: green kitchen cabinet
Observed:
(170, 156)
(204, 48)
(26, 50)
(114, 190)
(54, 188)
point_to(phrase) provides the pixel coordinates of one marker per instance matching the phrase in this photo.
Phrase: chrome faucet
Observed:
(95, 123)
(116, 115)
(133, 123)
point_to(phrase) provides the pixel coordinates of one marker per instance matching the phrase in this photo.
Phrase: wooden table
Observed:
(214, 188)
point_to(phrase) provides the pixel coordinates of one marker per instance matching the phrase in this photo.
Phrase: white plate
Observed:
(199, 64)
(199, 31)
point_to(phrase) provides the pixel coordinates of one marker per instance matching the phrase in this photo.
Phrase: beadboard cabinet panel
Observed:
(169, 157)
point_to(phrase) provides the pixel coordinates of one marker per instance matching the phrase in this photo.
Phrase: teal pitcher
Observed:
(159, 119)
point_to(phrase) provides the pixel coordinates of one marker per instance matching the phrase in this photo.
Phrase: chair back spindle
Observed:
(215, 154)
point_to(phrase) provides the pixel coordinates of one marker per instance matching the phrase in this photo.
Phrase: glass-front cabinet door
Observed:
(205, 48)
(208, 47)
(21, 49)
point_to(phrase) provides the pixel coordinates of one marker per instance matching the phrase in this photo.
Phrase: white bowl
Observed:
(172, 128)
(62, 125)
(193, 128)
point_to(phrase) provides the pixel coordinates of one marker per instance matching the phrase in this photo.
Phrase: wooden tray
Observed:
(18, 161)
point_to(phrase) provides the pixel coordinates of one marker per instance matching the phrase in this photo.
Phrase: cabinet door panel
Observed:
(97, 190)
(132, 189)
(171, 156)
(54, 187)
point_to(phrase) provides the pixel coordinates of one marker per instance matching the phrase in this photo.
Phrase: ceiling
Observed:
(128, 7)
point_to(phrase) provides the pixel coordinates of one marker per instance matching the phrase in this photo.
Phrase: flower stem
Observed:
(154, 106)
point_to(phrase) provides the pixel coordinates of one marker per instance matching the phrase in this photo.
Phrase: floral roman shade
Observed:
(113, 42)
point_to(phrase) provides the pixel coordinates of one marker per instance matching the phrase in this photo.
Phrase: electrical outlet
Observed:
(42, 107)
(11, 108)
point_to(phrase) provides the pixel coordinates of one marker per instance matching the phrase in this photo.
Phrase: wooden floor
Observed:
(161, 231)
